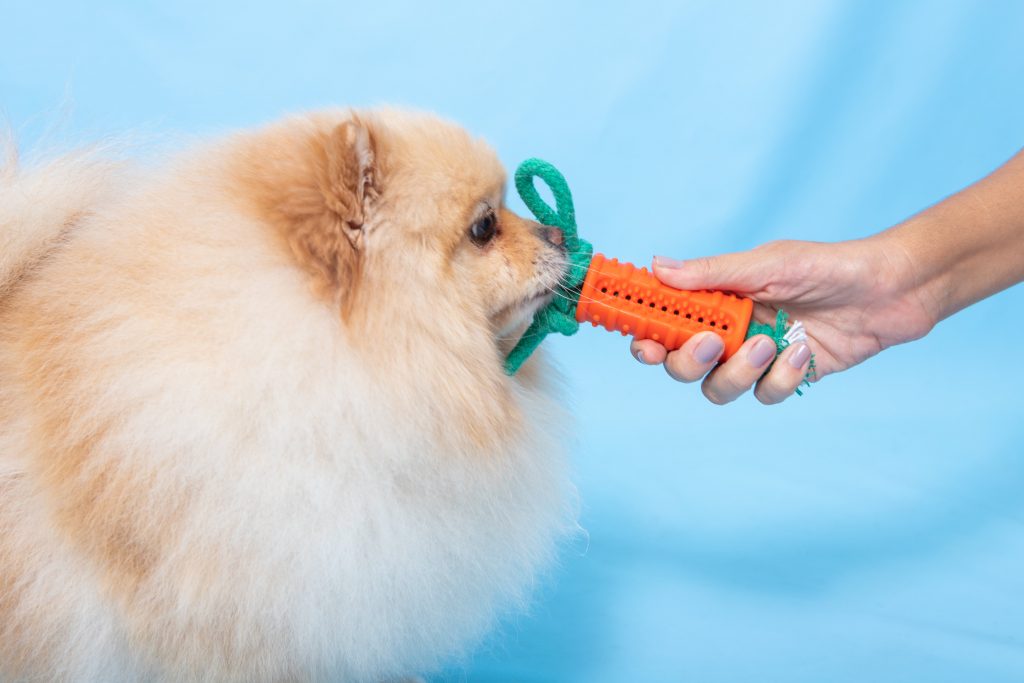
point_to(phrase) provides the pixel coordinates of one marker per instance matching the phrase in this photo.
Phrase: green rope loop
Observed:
(564, 215)
(559, 315)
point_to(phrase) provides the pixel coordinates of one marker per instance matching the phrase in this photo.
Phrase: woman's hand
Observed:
(854, 298)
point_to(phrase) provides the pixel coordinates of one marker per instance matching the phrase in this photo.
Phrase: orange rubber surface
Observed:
(630, 300)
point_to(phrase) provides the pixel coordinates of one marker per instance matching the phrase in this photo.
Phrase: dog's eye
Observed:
(484, 230)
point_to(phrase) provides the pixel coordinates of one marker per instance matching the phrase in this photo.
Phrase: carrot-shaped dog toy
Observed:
(623, 298)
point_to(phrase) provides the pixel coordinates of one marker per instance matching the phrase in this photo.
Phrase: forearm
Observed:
(967, 247)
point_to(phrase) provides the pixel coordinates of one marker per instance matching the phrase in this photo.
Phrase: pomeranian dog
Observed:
(254, 424)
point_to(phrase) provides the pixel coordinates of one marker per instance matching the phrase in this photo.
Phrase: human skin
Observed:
(855, 298)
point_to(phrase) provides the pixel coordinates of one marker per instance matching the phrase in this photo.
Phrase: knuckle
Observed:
(734, 373)
(677, 370)
(681, 369)
(732, 380)
(702, 266)
(778, 385)
(713, 394)
(777, 245)
(768, 396)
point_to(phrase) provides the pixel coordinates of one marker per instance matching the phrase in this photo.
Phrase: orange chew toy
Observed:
(626, 299)
(630, 300)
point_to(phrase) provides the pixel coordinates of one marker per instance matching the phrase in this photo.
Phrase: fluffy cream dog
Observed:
(253, 419)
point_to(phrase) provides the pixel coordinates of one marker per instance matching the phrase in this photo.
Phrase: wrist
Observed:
(968, 246)
(909, 281)
(918, 270)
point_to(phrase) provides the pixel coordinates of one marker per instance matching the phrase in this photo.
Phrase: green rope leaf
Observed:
(560, 313)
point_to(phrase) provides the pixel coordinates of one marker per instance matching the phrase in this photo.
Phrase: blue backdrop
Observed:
(872, 530)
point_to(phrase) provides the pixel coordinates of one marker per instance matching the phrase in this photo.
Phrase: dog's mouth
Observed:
(549, 284)
(535, 302)
(521, 311)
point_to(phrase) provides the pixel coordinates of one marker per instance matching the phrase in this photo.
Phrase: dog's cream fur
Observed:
(253, 420)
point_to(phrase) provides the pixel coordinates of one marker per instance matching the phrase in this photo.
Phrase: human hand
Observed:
(854, 298)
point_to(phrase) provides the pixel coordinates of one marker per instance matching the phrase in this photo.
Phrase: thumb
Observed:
(739, 272)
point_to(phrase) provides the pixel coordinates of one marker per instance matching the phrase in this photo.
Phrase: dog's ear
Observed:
(349, 186)
(326, 208)
(319, 189)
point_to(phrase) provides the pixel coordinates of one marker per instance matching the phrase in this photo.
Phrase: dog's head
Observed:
(399, 215)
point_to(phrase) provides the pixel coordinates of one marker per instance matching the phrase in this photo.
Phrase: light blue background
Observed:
(870, 531)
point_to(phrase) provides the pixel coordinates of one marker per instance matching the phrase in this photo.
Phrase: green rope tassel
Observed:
(782, 333)
(560, 313)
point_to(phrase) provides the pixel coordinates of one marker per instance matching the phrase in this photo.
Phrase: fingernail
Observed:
(640, 357)
(666, 262)
(708, 349)
(800, 355)
(763, 351)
